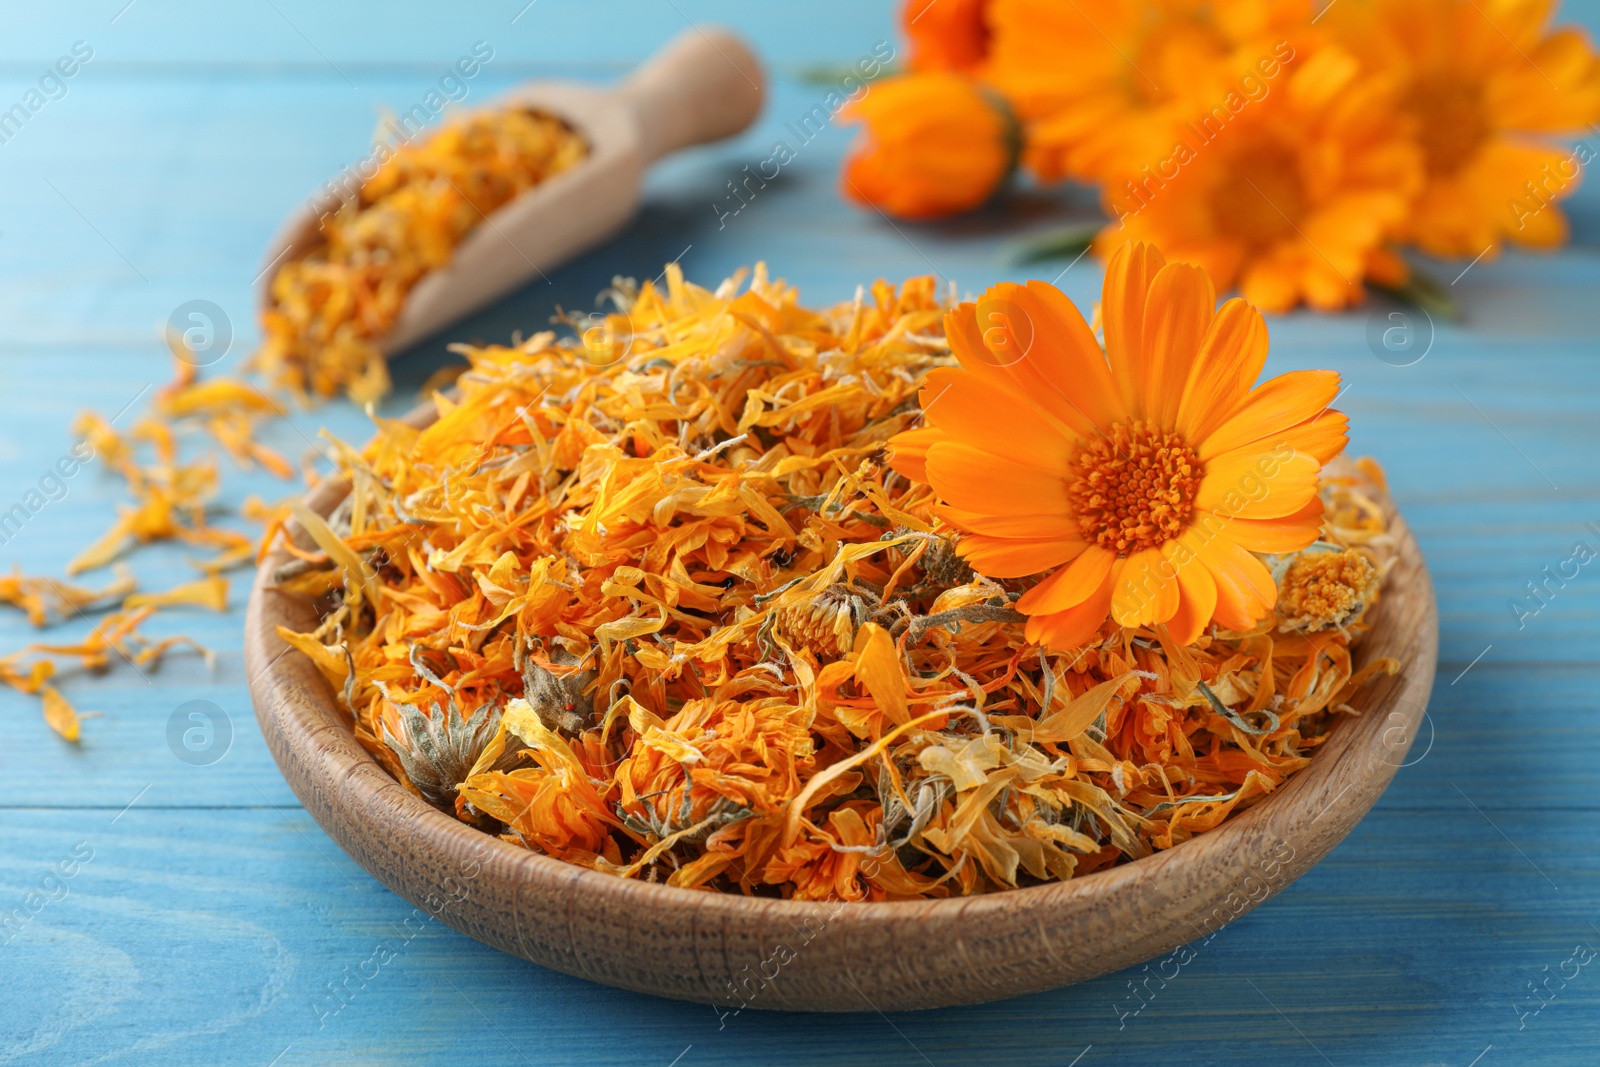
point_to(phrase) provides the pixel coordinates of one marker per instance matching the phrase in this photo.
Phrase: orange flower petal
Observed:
(1258, 485)
(947, 35)
(1199, 594)
(1146, 590)
(1122, 309)
(1041, 350)
(1230, 361)
(934, 144)
(1272, 407)
(1071, 585)
(1178, 312)
(1245, 591)
(1277, 536)
(908, 452)
(964, 406)
(1068, 350)
(1011, 557)
(1270, 287)
(1323, 436)
(1028, 527)
(1074, 627)
(980, 481)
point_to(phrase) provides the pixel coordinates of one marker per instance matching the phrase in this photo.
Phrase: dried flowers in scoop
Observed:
(331, 305)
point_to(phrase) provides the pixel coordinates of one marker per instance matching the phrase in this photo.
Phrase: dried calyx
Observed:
(440, 747)
(560, 692)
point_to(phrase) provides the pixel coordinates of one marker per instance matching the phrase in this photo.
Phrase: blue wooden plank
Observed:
(246, 963)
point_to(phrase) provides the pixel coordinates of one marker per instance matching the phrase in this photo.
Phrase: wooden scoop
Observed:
(706, 85)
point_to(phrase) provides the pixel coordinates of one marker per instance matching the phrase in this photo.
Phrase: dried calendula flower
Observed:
(171, 498)
(1324, 589)
(438, 749)
(330, 305)
(943, 566)
(750, 655)
(558, 694)
(824, 622)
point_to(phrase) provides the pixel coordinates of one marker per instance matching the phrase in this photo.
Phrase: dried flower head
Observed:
(560, 693)
(438, 749)
(824, 622)
(1321, 590)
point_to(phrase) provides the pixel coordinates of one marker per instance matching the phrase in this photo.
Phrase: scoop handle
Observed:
(704, 86)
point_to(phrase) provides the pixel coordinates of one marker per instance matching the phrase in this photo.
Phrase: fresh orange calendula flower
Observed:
(935, 144)
(1488, 88)
(1145, 477)
(946, 34)
(1102, 87)
(1292, 199)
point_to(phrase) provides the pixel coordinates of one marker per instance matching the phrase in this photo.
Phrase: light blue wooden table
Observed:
(207, 917)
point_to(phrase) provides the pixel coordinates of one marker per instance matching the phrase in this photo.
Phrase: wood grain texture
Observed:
(732, 950)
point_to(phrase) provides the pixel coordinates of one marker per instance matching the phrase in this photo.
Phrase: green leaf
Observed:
(1068, 242)
(825, 74)
(1422, 291)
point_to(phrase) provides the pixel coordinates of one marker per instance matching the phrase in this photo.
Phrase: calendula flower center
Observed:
(1134, 487)
(1451, 125)
(1261, 198)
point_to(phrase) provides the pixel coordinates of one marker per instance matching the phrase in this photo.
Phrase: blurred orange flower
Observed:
(934, 144)
(946, 34)
(1103, 86)
(1487, 86)
(1143, 477)
(1291, 198)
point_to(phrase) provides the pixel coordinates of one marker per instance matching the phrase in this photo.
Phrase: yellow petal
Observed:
(62, 717)
(1251, 485)
(981, 482)
(878, 667)
(1009, 557)
(1065, 722)
(329, 659)
(1230, 360)
(210, 592)
(984, 415)
(1272, 407)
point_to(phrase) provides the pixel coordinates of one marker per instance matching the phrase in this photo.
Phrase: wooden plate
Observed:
(760, 953)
